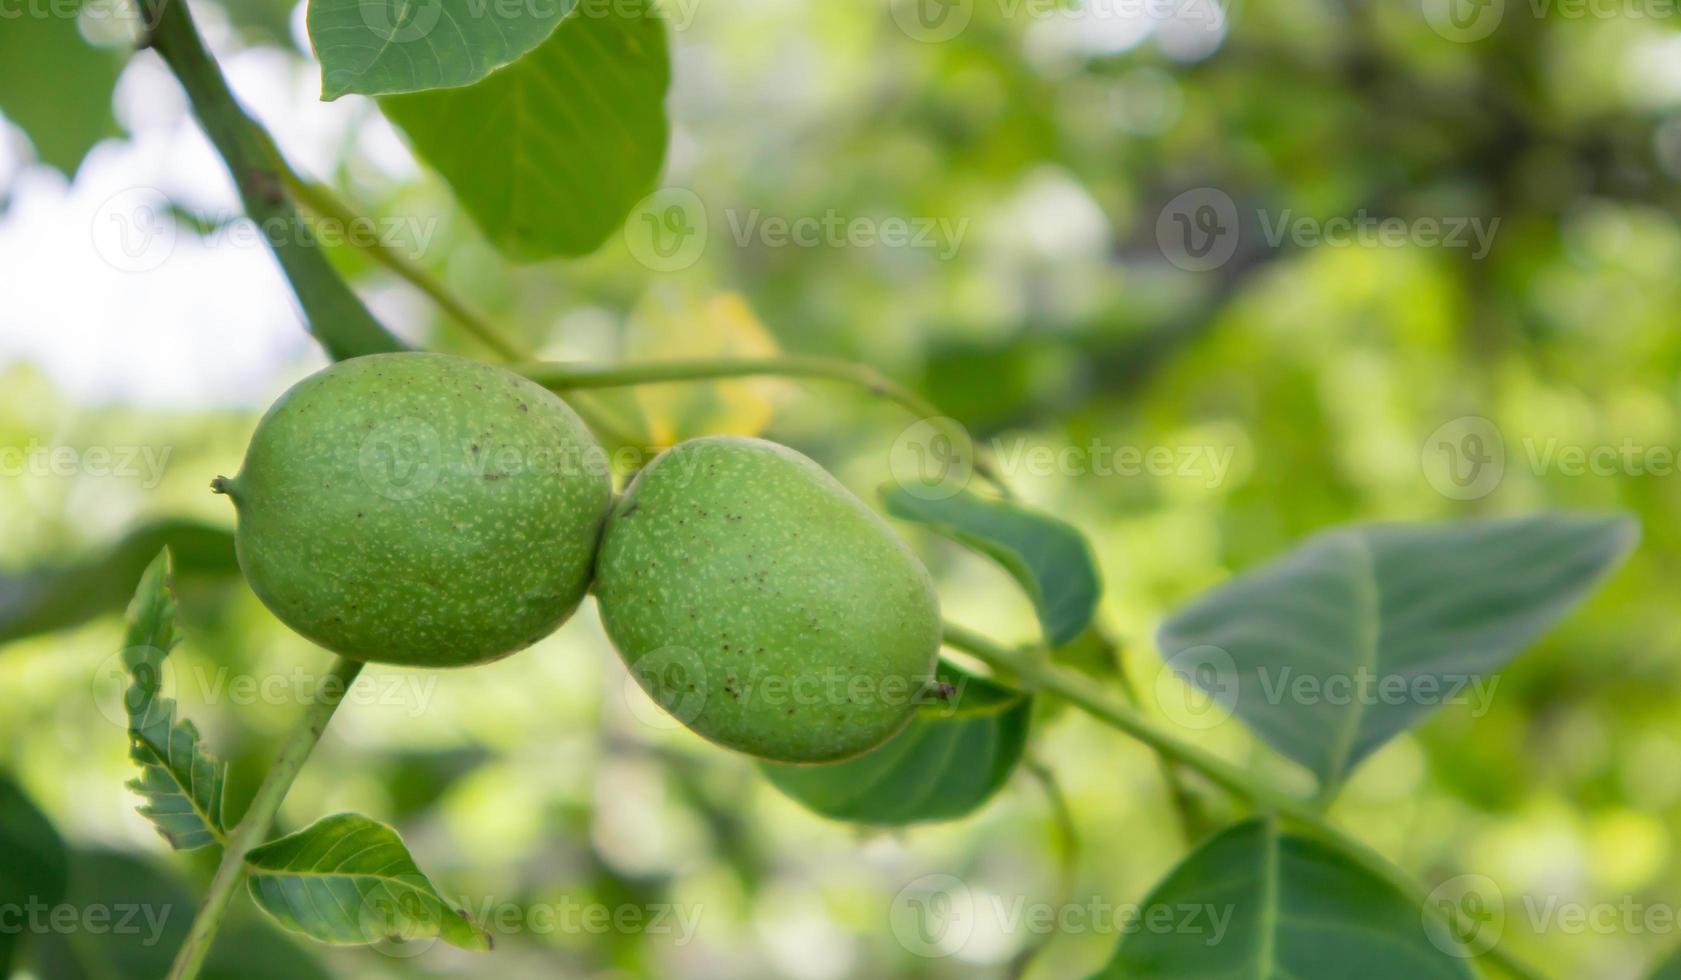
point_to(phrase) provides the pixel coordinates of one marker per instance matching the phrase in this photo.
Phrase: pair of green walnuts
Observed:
(432, 511)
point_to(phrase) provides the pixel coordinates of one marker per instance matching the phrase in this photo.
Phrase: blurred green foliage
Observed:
(1320, 372)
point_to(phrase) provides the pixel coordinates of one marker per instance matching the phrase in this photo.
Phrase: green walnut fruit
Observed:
(763, 605)
(420, 509)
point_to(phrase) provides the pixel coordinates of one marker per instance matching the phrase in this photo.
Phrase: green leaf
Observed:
(347, 880)
(34, 867)
(182, 783)
(1669, 969)
(55, 86)
(1254, 904)
(951, 758)
(55, 597)
(381, 47)
(1359, 633)
(1050, 558)
(550, 153)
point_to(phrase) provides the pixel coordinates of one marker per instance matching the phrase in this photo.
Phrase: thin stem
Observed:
(1192, 820)
(259, 816)
(571, 376)
(1034, 674)
(319, 198)
(336, 315)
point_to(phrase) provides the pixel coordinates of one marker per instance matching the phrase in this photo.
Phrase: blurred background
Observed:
(1249, 269)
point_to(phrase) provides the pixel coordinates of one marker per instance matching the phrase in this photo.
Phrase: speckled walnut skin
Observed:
(420, 509)
(781, 616)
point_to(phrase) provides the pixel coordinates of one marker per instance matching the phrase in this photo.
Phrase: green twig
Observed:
(1193, 822)
(336, 315)
(320, 199)
(571, 376)
(344, 327)
(259, 816)
(1033, 673)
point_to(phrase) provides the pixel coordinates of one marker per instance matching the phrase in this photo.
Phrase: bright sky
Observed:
(117, 303)
(112, 300)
